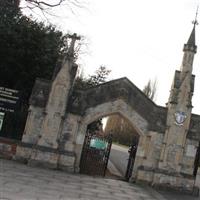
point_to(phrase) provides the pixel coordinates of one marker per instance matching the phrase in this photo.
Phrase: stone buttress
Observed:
(41, 143)
(176, 163)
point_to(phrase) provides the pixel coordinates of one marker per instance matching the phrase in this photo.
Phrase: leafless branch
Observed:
(40, 4)
(47, 7)
(51, 4)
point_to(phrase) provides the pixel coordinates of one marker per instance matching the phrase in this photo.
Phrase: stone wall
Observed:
(105, 109)
(189, 154)
(123, 89)
(7, 147)
(118, 96)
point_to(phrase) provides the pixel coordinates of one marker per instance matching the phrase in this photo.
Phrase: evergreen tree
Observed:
(28, 50)
(150, 89)
(100, 76)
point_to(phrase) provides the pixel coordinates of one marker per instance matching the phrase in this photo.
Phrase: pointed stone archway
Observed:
(106, 109)
(120, 97)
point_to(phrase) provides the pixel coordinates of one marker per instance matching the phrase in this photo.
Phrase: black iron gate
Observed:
(95, 154)
(132, 153)
(197, 161)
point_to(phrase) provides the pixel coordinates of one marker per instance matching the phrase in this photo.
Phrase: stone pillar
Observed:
(67, 142)
(179, 110)
(48, 150)
(31, 134)
(178, 121)
(171, 171)
(33, 125)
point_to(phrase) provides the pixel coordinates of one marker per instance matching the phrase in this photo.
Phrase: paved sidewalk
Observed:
(21, 182)
(170, 195)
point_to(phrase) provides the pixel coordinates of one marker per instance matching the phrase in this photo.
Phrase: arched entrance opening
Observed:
(109, 147)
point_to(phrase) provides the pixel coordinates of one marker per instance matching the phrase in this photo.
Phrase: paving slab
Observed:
(171, 195)
(22, 182)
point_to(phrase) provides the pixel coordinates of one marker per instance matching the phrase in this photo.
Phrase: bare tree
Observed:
(44, 5)
(46, 9)
(150, 89)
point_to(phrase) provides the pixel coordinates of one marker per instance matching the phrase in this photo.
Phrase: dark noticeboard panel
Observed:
(12, 113)
(9, 99)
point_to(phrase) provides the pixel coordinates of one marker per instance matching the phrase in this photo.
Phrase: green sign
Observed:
(98, 143)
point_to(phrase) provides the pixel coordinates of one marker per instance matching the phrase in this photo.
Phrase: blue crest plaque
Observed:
(180, 117)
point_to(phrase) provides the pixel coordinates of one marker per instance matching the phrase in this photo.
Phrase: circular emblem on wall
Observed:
(180, 117)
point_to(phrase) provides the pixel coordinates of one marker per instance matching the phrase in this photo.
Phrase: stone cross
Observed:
(73, 38)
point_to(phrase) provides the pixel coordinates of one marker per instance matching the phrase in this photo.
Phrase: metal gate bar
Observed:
(95, 154)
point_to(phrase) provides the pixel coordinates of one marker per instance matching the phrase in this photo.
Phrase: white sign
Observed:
(1, 119)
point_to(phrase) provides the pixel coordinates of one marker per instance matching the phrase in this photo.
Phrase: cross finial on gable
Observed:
(73, 38)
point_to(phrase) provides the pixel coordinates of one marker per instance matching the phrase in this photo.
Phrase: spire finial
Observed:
(195, 22)
(190, 45)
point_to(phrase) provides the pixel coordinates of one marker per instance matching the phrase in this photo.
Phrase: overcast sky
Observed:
(141, 40)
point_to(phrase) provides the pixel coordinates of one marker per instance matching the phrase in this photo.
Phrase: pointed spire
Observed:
(191, 45)
(191, 40)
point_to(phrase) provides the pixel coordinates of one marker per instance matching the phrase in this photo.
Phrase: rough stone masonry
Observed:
(169, 136)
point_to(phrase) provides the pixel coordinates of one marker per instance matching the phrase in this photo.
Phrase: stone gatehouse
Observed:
(169, 136)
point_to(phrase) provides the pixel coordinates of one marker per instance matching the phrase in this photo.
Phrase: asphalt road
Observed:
(119, 157)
